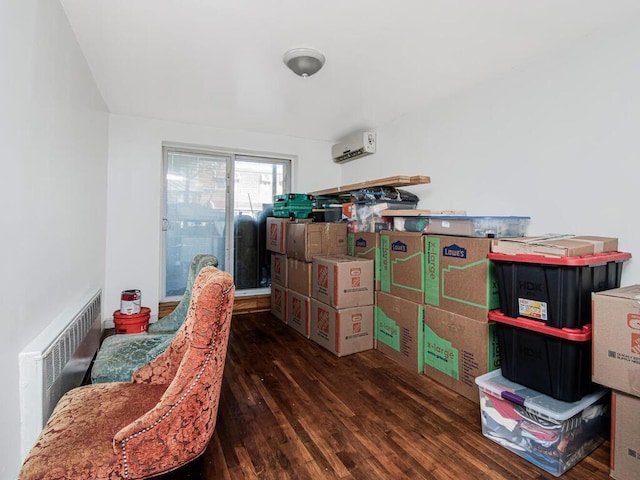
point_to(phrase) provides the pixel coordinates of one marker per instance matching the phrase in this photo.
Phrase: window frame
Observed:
(232, 155)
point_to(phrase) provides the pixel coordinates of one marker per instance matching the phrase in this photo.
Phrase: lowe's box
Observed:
(366, 245)
(344, 331)
(550, 433)
(399, 326)
(625, 436)
(298, 312)
(457, 349)
(616, 339)
(402, 265)
(459, 278)
(342, 281)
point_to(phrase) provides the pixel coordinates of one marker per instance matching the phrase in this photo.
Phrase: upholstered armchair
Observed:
(120, 355)
(159, 421)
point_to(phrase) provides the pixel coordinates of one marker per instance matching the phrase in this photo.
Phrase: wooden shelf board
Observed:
(397, 181)
(420, 213)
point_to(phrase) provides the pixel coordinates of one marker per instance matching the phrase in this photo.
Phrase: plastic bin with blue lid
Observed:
(473, 226)
(550, 433)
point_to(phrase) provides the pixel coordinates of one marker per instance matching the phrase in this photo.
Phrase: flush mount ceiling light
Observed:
(304, 61)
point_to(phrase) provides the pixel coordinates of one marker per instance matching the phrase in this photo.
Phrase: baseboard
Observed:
(241, 304)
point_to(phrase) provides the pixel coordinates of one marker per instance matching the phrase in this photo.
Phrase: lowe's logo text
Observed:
(530, 286)
(454, 251)
(399, 247)
(361, 242)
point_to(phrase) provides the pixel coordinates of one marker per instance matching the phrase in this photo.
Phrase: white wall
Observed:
(53, 132)
(557, 141)
(135, 192)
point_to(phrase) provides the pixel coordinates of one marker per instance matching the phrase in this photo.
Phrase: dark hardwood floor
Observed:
(291, 410)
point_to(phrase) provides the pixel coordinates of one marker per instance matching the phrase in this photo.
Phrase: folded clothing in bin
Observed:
(556, 291)
(553, 361)
(551, 434)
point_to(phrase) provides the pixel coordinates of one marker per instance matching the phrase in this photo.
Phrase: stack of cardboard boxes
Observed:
(616, 364)
(342, 303)
(431, 311)
(316, 289)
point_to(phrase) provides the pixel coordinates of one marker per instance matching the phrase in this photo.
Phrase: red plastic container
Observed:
(136, 323)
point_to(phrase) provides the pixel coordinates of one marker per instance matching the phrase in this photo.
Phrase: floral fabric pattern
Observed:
(161, 420)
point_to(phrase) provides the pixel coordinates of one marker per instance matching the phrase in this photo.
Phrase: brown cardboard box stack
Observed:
(342, 303)
(460, 289)
(616, 364)
(276, 243)
(293, 245)
(431, 311)
(399, 311)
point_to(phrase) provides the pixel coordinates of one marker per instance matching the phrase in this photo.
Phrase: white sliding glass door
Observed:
(206, 212)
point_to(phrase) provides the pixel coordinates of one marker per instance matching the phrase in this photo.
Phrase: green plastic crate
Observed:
(292, 205)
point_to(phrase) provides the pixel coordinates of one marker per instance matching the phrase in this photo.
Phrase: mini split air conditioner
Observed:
(354, 146)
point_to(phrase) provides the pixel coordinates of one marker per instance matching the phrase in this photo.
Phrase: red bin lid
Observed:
(581, 261)
(575, 334)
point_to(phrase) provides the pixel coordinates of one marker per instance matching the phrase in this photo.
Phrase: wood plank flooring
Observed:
(291, 410)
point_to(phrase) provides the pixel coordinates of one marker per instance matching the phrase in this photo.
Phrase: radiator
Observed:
(56, 361)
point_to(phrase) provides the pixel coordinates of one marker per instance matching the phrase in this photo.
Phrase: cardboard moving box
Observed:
(458, 349)
(625, 437)
(344, 331)
(399, 327)
(342, 281)
(306, 240)
(279, 301)
(556, 245)
(459, 277)
(402, 265)
(299, 276)
(366, 245)
(616, 339)
(279, 269)
(298, 312)
(276, 234)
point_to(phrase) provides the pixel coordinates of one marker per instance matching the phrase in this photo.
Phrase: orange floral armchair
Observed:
(161, 420)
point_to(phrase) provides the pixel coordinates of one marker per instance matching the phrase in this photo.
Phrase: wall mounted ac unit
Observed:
(354, 146)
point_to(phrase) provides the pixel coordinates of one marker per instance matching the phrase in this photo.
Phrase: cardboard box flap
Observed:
(555, 245)
(631, 292)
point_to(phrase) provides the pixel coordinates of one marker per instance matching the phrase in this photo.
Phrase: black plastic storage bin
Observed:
(553, 361)
(555, 290)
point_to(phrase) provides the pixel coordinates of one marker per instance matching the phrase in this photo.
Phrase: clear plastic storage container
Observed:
(552, 434)
(492, 227)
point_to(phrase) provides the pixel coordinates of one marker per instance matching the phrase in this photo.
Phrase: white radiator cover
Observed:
(56, 361)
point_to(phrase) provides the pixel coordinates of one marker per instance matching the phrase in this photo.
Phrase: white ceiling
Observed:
(219, 62)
